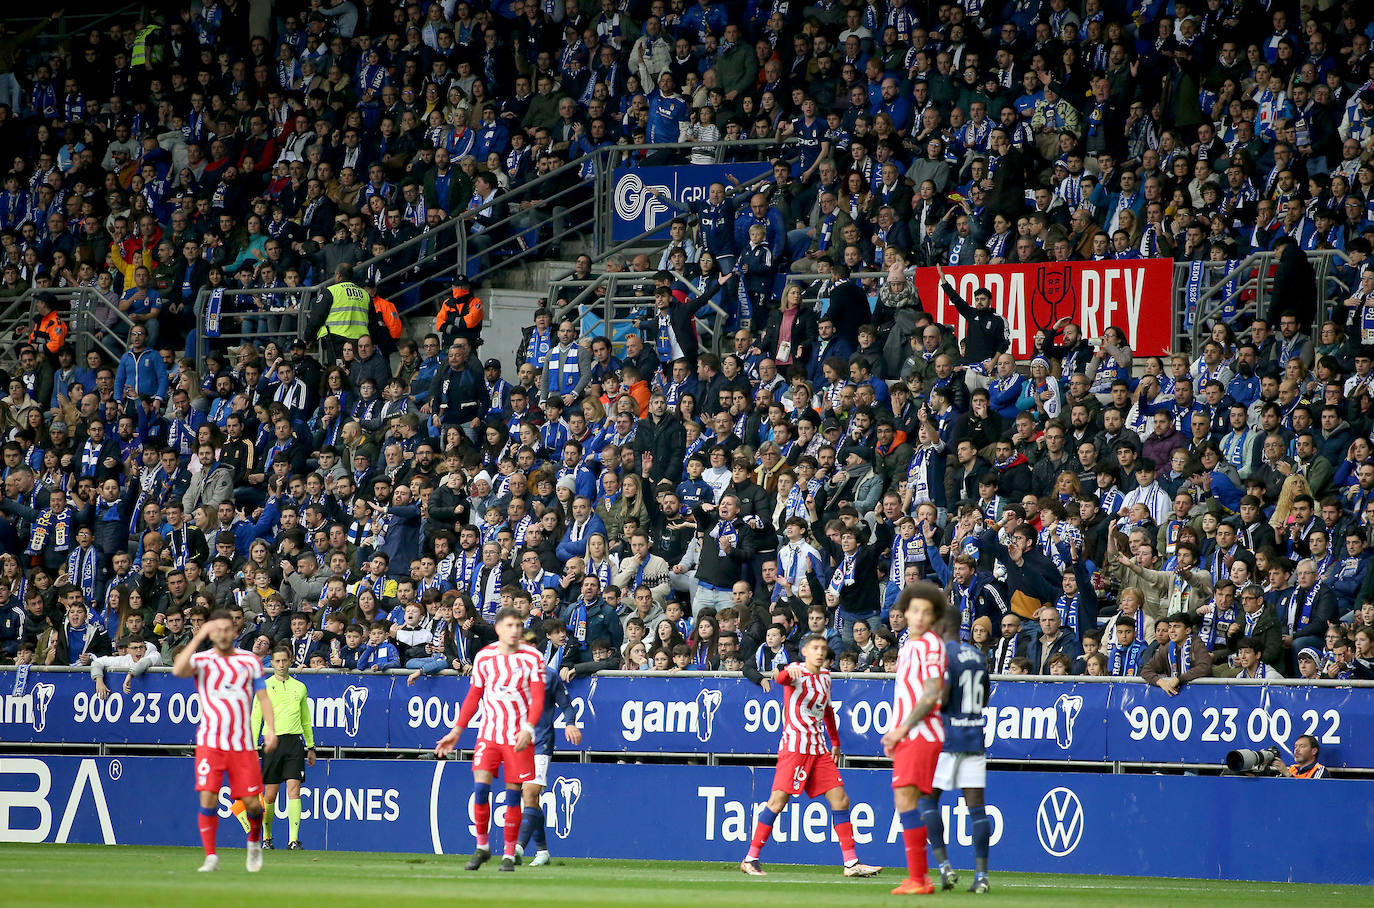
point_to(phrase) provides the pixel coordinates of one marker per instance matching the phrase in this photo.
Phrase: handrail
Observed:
(846, 676)
(1211, 302)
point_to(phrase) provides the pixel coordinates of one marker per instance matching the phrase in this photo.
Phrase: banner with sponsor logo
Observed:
(1080, 823)
(1135, 295)
(636, 210)
(62, 707)
(1076, 721)
(1207, 721)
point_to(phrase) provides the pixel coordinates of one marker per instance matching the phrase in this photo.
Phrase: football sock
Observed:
(268, 815)
(528, 818)
(293, 813)
(538, 830)
(982, 835)
(512, 823)
(839, 819)
(254, 828)
(935, 827)
(208, 822)
(240, 812)
(914, 839)
(763, 828)
(481, 812)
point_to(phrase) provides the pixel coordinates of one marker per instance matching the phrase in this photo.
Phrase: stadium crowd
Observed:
(648, 503)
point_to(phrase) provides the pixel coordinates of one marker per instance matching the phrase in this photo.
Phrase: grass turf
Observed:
(33, 875)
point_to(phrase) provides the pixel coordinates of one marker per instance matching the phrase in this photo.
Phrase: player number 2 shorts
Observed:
(961, 771)
(519, 764)
(814, 774)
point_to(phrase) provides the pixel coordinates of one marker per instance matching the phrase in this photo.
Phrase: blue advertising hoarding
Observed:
(1082, 823)
(1076, 721)
(636, 210)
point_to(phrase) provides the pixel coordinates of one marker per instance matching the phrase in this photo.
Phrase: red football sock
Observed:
(481, 818)
(208, 822)
(513, 817)
(254, 828)
(762, 831)
(915, 842)
(846, 833)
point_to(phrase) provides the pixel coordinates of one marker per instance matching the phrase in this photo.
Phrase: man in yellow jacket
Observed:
(342, 313)
(295, 747)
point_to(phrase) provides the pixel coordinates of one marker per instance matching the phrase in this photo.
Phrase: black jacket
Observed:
(803, 333)
(862, 597)
(682, 316)
(666, 440)
(986, 330)
(722, 571)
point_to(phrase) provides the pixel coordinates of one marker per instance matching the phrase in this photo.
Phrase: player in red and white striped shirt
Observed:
(227, 680)
(508, 683)
(805, 761)
(915, 742)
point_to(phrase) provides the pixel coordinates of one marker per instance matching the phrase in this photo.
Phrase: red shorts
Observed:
(913, 763)
(245, 776)
(519, 764)
(813, 773)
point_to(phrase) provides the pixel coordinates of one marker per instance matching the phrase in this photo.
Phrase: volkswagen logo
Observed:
(1059, 822)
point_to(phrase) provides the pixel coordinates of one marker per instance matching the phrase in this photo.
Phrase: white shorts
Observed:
(541, 770)
(959, 771)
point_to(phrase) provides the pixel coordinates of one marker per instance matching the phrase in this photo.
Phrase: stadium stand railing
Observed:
(1240, 291)
(94, 323)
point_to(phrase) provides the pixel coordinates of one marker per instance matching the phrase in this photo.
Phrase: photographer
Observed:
(1305, 765)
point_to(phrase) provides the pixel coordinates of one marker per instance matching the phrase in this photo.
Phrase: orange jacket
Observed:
(640, 392)
(464, 306)
(387, 310)
(50, 331)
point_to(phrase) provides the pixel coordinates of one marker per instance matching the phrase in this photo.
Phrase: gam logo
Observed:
(344, 711)
(697, 717)
(634, 200)
(1059, 822)
(1034, 723)
(28, 709)
(566, 793)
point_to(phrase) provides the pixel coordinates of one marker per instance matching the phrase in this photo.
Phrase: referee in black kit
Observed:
(295, 747)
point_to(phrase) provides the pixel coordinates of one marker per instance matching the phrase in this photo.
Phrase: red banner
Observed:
(1135, 295)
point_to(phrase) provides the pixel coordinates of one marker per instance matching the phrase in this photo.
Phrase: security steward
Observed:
(295, 747)
(50, 331)
(460, 315)
(343, 313)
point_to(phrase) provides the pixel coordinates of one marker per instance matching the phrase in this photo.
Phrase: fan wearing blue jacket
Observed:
(583, 525)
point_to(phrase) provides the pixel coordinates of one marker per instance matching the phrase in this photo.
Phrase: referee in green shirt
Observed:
(295, 746)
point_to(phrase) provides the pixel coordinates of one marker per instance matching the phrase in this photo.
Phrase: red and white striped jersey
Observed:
(226, 687)
(921, 659)
(505, 681)
(806, 704)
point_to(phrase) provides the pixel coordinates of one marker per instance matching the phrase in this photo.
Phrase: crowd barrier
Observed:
(1081, 721)
(1082, 823)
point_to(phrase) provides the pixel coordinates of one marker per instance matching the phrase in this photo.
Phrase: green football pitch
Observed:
(33, 875)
